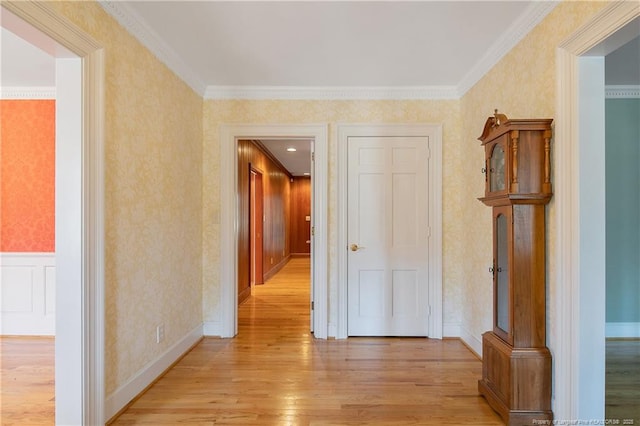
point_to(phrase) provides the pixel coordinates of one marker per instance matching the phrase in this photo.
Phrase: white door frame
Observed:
(578, 312)
(434, 132)
(79, 363)
(229, 136)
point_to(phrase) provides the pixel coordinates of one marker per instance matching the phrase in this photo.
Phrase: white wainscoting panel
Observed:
(27, 294)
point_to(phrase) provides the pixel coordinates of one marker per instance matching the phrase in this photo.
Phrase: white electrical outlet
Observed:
(159, 333)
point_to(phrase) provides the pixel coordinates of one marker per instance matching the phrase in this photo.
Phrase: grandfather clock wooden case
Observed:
(516, 364)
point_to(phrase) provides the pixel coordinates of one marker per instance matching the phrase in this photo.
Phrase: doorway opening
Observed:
(234, 269)
(270, 173)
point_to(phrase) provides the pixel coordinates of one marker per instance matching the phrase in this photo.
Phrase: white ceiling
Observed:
(326, 43)
(297, 163)
(622, 66)
(24, 65)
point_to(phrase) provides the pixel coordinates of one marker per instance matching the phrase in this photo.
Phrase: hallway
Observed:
(275, 373)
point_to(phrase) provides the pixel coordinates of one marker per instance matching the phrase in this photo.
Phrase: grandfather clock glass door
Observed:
(502, 295)
(496, 169)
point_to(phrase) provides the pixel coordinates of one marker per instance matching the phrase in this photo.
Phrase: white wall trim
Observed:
(566, 311)
(622, 92)
(331, 93)
(149, 373)
(516, 31)
(229, 135)
(79, 386)
(434, 132)
(471, 340)
(27, 93)
(126, 16)
(27, 294)
(451, 329)
(212, 328)
(622, 329)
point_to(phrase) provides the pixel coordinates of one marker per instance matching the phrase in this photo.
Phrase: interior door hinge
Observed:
(313, 230)
(312, 305)
(313, 156)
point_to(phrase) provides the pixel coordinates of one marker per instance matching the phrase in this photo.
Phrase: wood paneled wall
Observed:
(300, 210)
(276, 230)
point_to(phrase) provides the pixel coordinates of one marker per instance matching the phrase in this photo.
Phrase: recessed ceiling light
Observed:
(307, 174)
(291, 149)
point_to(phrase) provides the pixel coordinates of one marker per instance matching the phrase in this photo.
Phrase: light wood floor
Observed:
(275, 373)
(27, 381)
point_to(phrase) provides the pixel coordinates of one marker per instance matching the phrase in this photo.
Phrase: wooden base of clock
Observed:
(516, 382)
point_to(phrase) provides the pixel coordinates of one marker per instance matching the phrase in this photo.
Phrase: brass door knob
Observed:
(355, 247)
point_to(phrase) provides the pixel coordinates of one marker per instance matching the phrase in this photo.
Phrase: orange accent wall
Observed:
(27, 175)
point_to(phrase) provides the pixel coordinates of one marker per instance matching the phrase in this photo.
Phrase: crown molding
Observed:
(135, 25)
(518, 29)
(622, 92)
(331, 93)
(27, 93)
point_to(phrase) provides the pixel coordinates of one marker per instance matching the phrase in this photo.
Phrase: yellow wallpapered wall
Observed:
(27, 175)
(153, 198)
(217, 112)
(521, 85)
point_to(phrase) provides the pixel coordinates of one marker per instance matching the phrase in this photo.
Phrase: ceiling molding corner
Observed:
(622, 92)
(518, 29)
(136, 26)
(27, 93)
(330, 93)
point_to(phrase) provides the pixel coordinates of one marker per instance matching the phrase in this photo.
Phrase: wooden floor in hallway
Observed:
(275, 373)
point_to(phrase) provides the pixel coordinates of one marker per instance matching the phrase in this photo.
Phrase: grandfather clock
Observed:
(516, 364)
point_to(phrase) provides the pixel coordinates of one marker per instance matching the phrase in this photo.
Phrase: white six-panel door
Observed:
(388, 236)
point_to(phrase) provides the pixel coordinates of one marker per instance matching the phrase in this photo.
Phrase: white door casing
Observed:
(388, 236)
(430, 260)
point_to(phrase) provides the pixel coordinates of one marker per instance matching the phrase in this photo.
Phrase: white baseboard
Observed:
(451, 329)
(622, 329)
(28, 294)
(212, 328)
(148, 374)
(472, 341)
